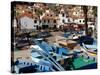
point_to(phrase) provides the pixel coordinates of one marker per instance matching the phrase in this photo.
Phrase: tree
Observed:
(85, 10)
(95, 16)
(39, 11)
(95, 11)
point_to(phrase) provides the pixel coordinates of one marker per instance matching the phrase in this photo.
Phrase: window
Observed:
(63, 14)
(40, 21)
(35, 18)
(24, 62)
(66, 16)
(83, 20)
(47, 15)
(31, 64)
(44, 21)
(35, 10)
(54, 21)
(48, 21)
(63, 21)
(27, 63)
(80, 21)
(91, 24)
(35, 21)
(68, 20)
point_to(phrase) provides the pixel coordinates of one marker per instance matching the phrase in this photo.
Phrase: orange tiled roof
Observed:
(28, 14)
(50, 18)
(50, 15)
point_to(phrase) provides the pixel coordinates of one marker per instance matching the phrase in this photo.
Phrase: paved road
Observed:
(24, 54)
(52, 39)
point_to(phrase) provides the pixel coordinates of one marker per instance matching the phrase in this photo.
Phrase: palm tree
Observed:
(95, 11)
(95, 16)
(85, 10)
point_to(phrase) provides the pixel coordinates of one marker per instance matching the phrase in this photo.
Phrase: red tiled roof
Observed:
(50, 18)
(28, 14)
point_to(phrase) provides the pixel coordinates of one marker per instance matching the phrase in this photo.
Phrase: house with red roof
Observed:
(29, 21)
(49, 19)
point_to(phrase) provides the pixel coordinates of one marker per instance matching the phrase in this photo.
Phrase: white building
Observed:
(63, 17)
(81, 21)
(29, 22)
